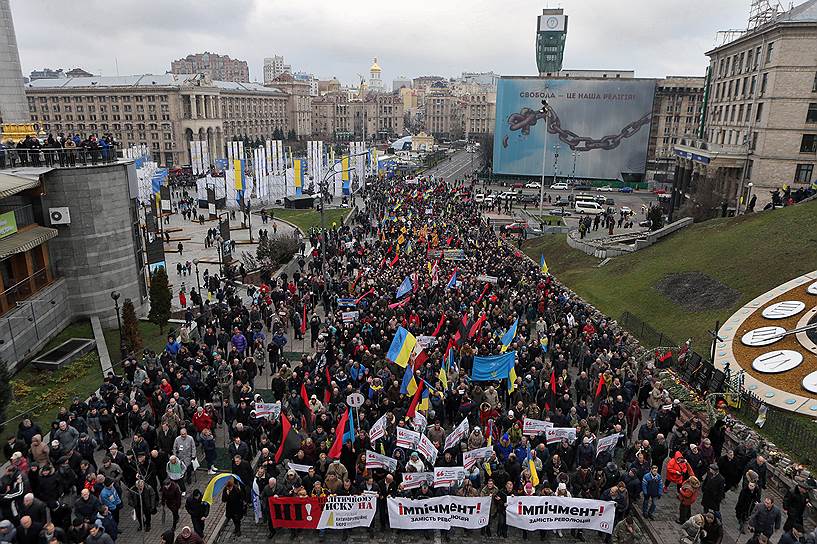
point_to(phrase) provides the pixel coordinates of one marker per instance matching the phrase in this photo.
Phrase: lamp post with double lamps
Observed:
(122, 349)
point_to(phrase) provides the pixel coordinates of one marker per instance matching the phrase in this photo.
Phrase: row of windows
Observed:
(745, 61)
(98, 98)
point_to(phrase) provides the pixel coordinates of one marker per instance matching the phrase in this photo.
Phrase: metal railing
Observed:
(792, 433)
(55, 158)
(24, 288)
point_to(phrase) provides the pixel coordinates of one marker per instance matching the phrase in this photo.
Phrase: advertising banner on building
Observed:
(605, 122)
(535, 512)
(439, 512)
(532, 427)
(333, 512)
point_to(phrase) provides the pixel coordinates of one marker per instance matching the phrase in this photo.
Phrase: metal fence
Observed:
(12, 157)
(793, 433)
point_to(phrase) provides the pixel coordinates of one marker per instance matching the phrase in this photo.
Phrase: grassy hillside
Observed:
(750, 254)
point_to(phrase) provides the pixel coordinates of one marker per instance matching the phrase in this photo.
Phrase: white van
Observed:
(585, 206)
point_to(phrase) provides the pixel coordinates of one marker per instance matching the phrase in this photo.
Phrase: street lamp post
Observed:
(122, 349)
(219, 241)
(546, 112)
(573, 175)
(198, 282)
(748, 197)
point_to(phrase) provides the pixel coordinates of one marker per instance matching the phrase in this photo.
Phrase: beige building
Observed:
(761, 118)
(163, 112)
(337, 117)
(478, 113)
(676, 113)
(299, 107)
(217, 67)
(441, 113)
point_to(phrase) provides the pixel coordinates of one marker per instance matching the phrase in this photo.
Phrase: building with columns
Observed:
(337, 117)
(760, 125)
(163, 112)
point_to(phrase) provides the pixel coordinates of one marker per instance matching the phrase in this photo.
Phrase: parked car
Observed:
(514, 227)
(559, 187)
(605, 189)
(626, 210)
(529, 198)
(585, 206)
(560, 212)
(509, 195)
(626, 189)
(601, 199)
(533, 185)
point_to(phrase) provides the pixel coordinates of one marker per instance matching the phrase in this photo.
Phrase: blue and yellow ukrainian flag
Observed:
(512, 375)
(409, 385)
(543, 265)
(509, 335)
(216, 486)
(401, 347)
(543, 342)
(298, 177)
(534, 475)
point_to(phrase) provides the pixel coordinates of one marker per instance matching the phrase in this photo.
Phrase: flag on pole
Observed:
(401, 347)
(543, 265)
(340, 434)
(534, 475)
(303, 321)
(599, 387)
(452, 282)
(512, 375)
(416, 400)
(404, 288)
(509, 335)
(216, 486)
(289, 439)
(543, 342)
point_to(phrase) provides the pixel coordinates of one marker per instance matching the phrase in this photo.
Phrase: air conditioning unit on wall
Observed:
(59, 216)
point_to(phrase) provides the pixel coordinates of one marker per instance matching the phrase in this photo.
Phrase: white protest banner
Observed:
(375, 460)
(345, 512)
(407, 438)
(420, 422)
(426, 447)
(299, 468)
(607, 443)
(484, 278)
(472, 457)
(426, 341)
(456, 435)
(536, 512)
(350, 317)
(447, 476)
(378, 429)
(439, 512)
(271, 410)
(413, 480)
(533, 427)
(555, 434)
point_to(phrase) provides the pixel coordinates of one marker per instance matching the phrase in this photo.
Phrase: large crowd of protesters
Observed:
(133, 447)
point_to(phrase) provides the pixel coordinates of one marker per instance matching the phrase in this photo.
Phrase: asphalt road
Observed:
(460, 165)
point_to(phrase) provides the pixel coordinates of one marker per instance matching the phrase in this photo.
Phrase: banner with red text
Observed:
(333, 512)
(536, 512)
(439, 512)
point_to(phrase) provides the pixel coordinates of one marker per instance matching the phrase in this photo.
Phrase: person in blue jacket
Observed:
(652, 488)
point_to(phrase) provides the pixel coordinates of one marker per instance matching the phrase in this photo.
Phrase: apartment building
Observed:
(676, 113)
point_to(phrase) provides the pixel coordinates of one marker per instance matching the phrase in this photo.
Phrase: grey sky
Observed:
(339, 38)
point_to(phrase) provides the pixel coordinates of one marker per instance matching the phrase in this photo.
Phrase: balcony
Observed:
(55, 158)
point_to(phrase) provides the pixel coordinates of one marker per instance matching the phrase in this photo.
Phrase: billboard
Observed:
(605, 121)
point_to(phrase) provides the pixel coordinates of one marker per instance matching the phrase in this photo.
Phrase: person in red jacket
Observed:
(202, 420)
(678, 471)
(687, 495)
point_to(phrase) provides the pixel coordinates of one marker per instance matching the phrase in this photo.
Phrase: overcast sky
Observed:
(339, 38)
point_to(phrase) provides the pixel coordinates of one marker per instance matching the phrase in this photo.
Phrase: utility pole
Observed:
(546, 112)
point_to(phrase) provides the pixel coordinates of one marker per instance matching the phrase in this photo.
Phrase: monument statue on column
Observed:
(15, 119)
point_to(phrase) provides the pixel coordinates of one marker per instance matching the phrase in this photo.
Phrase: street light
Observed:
(546, 112)
(198, 282)
(748, 197)
(122, 349)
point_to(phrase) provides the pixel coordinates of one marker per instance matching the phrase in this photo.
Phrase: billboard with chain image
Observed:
(602, 126)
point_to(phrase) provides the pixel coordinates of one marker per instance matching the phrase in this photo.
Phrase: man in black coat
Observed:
(28, 532)
(713, 489)
(34, 508)
(795, 503)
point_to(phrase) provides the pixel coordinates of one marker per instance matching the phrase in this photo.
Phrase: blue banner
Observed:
(494, 367)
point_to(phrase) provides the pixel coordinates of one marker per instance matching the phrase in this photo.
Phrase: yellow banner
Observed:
(344, 166)
(297, 165)
(239, 179)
